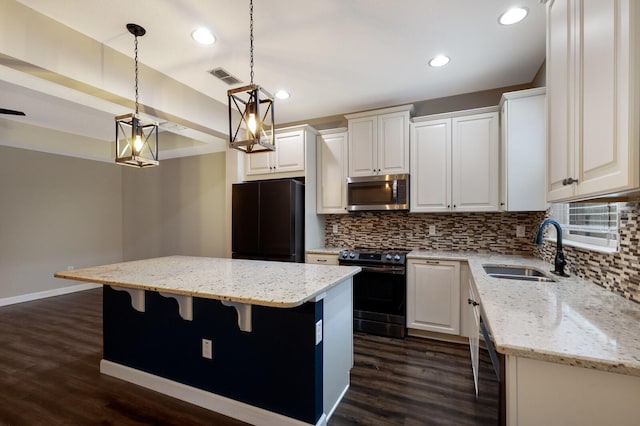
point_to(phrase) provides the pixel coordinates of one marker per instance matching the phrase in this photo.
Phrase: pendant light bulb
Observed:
(252, 123)
(137, 144)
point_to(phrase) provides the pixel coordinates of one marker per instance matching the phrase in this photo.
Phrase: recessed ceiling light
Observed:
(203, 36)
(439, 61)
(282, 94)
(513, 15)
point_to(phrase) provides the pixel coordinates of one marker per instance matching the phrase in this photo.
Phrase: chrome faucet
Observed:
(559, 261)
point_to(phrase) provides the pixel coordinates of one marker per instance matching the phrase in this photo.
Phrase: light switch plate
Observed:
(432, 230)
(207, 349)
(520, 231)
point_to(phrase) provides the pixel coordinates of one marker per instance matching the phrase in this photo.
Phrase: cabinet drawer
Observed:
(323, 259)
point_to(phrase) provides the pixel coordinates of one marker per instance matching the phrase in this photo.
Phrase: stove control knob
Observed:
(345, 254)
(352, 255)
(397, 258)
(388, 257)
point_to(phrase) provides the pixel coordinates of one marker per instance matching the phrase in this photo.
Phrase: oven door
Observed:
(379, 301)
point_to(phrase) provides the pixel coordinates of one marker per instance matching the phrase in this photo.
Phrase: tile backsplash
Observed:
(618, 272)
(493, 232)
(485, 232)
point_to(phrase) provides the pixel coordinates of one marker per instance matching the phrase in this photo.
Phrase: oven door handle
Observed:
(397, 270)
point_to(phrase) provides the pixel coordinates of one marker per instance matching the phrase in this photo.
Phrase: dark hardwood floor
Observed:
(416, 382)
(50, 351)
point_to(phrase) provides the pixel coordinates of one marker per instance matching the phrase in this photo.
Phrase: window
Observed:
(589, 225)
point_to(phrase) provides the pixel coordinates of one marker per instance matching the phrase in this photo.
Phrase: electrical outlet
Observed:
(432, 230)
(520, 231)
(335, 228)
(70, 268)
(207, 349)
(318, 332)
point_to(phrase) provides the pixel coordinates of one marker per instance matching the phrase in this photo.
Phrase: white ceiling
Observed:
(333, 56)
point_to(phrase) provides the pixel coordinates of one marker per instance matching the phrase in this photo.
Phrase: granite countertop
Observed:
(571, 321)
(277, 284)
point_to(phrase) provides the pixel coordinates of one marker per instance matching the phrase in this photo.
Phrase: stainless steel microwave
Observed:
(384, 192)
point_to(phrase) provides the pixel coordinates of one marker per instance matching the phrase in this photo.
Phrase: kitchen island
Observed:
(263, 342)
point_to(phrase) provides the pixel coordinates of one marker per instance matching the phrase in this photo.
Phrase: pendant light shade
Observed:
(136, 141)
(251, 112)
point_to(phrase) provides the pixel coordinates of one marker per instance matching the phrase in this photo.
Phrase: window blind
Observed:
(588, 223)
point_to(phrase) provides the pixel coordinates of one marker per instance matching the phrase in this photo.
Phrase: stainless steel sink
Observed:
(523, 273)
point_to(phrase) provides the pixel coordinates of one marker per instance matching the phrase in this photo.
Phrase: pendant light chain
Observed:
(251, 37)
(136, 59)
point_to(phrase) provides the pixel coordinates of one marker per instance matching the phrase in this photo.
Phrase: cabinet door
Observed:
(603, 146)
(475, 166)
(363, 150)
(258, 164)
(393, 143)
(431, 166)
(289, 153)
(523, 147)
(433, 296)
(474, 331)
(332, 162)
(560, 92)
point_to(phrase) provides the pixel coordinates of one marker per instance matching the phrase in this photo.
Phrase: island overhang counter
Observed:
(280, 333)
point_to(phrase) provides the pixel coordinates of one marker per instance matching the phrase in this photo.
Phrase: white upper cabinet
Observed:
(475, 168)
(523, 151)
(379, 141)
(332, 171)
(593, 97)
(430, 184)
(288, 160)
(455, 162)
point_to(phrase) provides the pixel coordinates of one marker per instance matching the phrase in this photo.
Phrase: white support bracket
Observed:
(244, 314)
(185, 304)
(137, 297)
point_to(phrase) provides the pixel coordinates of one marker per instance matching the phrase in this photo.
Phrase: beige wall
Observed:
(177, 208)
(55, 212)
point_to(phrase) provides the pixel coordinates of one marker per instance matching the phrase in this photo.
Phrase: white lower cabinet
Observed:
(547, 393)
(433, 295)
(474, 329)
(322, 259)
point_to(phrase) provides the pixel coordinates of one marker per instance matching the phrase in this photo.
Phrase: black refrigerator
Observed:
(268, 220)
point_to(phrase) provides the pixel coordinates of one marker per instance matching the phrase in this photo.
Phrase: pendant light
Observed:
(251, 118)
(136, 141)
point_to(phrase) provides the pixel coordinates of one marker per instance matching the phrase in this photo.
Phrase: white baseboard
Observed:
(47, 293)
(210, 401)
(333, 409)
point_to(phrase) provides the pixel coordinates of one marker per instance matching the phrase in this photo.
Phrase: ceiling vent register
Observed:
(224, 75)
